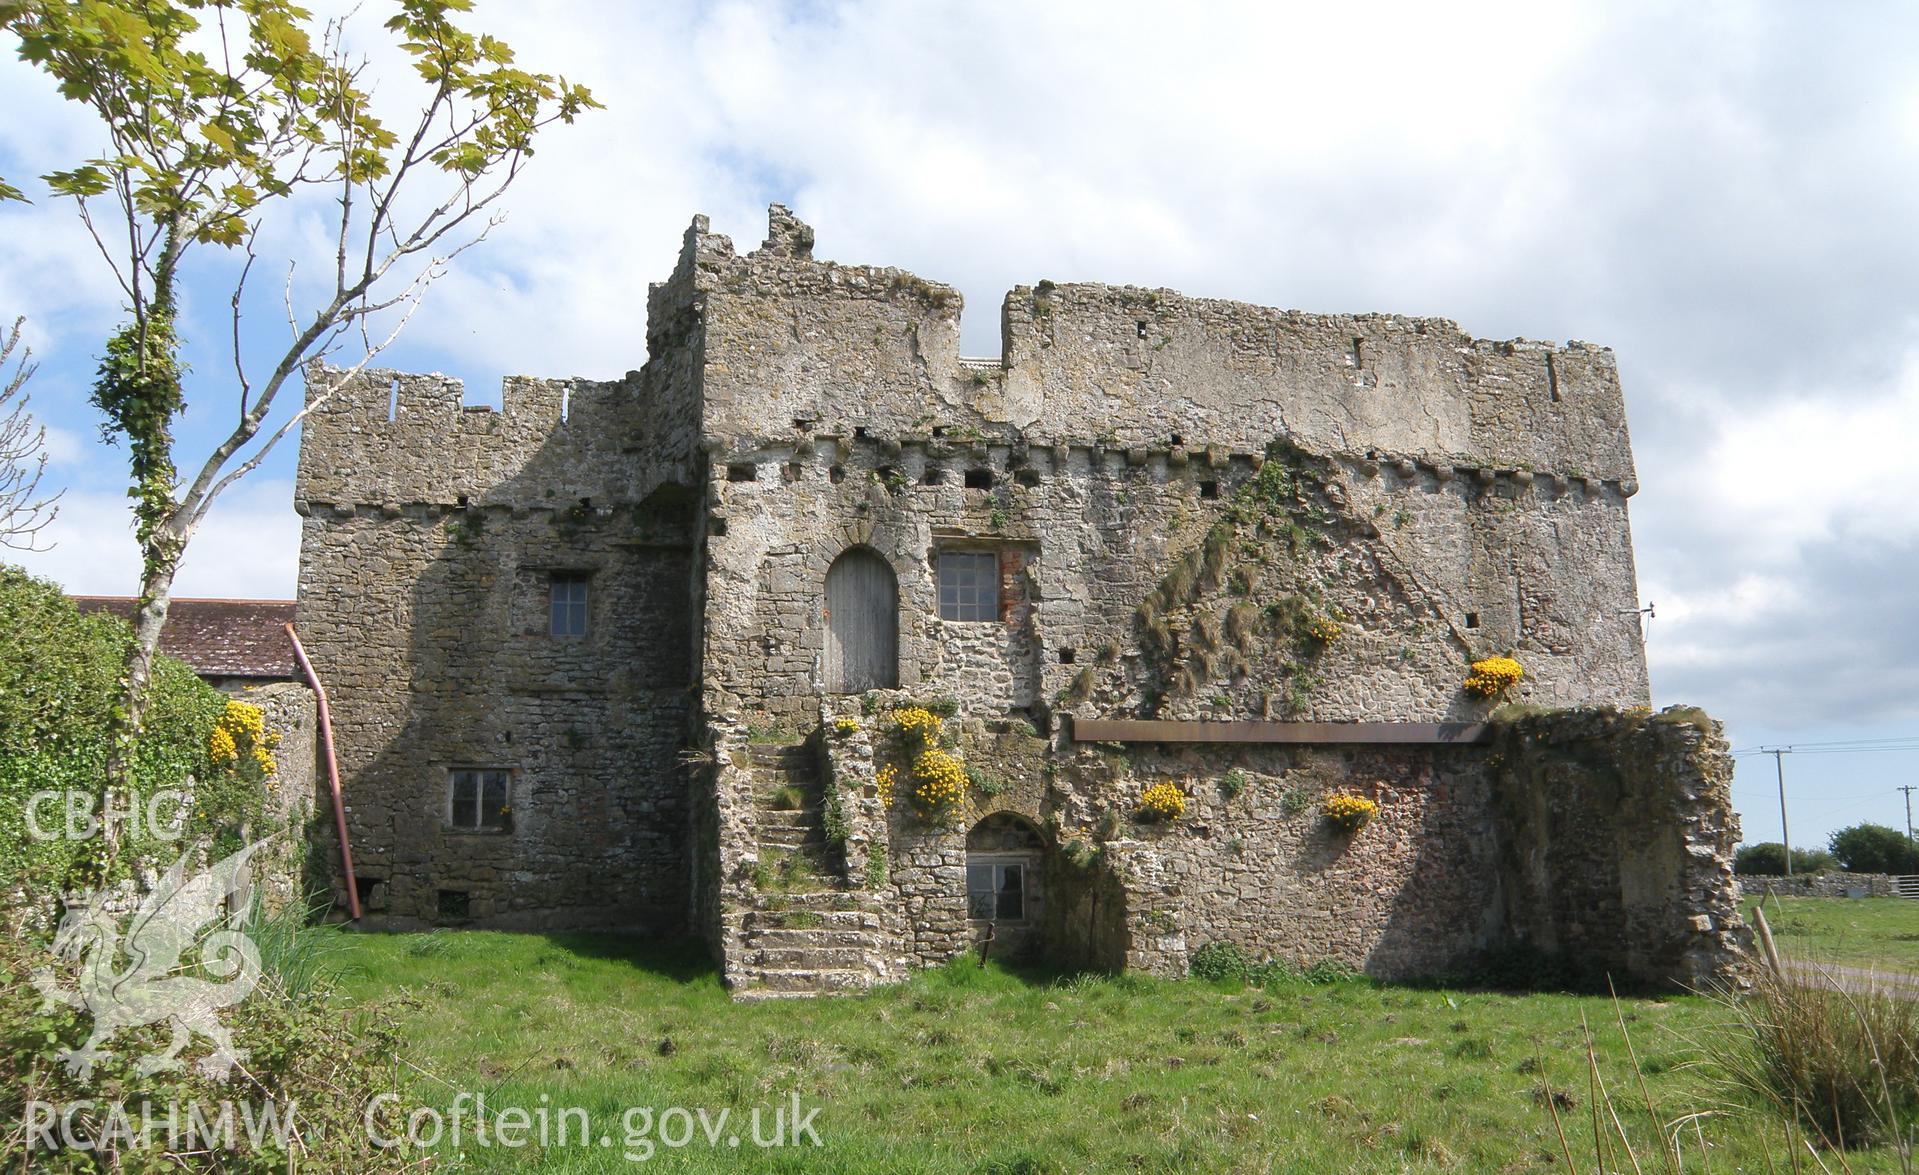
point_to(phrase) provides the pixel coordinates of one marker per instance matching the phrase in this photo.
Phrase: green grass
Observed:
(995, 1070)
(1854, 932)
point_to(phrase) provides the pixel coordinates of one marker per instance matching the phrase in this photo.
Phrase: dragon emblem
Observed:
(152, 984)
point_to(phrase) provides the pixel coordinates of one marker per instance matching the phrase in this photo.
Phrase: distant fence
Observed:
(1830, 885)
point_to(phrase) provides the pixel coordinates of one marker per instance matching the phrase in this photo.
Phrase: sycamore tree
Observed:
(218, 116)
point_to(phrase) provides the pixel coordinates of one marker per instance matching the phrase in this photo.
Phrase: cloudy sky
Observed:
(1727, 194)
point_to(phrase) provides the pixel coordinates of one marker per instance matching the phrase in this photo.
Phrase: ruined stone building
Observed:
(636, 654)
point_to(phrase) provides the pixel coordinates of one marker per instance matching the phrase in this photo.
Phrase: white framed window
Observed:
(996, 890)
(566, 596)
(968, 585)
(478, 799)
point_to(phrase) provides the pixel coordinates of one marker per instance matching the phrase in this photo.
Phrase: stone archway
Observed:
(862, 623)
(1006, 883)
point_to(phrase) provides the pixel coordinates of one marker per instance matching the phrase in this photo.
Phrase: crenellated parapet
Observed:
(380, 437)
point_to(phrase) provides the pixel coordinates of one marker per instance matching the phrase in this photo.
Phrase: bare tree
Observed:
(24, 512)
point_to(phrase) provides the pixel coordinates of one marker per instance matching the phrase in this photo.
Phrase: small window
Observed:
(1472, 620)
(477, 799)
(567, 613)
(979, 479)
(453, 905)
(1209, 489)
(969, 585)
(996, 891)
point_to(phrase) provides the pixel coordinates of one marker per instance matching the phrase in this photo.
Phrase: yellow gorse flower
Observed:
(939, 780)
(1350, 812)
(1162, 801)
(846, 726)
(1493, 676)
(1325, 630)
(884, 781)
(917, 724)
(241, 729)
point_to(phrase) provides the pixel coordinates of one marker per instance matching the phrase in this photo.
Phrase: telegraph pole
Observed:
(1779, 760)
(1908, 789)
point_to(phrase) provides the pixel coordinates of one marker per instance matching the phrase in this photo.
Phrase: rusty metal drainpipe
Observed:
(332, 773)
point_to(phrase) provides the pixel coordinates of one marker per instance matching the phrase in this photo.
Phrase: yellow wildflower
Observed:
(1493, 676)
(1347, 811)
(1162, 801)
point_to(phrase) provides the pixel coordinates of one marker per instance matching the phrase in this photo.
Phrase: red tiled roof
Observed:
(218, 638)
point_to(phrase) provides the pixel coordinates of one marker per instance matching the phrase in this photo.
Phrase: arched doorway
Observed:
(1006, 882)
(862, 623)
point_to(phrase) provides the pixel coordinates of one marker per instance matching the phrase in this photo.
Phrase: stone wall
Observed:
(431, 531)
(295, 793)
(1619, 836)
(1600, 838)
(1816, 885)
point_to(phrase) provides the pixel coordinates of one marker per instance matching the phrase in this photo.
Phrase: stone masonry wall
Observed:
(1618, 836)
(1815, 885)
(431, 530)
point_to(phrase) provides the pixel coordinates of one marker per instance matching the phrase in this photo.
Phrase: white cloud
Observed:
(246, 548)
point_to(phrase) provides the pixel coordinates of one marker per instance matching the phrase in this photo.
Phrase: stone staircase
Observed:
(808, 931)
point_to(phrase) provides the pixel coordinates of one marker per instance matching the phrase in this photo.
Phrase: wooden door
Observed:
(862, 624)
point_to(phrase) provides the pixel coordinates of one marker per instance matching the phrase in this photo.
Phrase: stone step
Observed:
(760, 921)
(808, 958)
(788, 817)
(830, 896)
(778, 755)
(812, 980)
(812, 846)
(770, 938)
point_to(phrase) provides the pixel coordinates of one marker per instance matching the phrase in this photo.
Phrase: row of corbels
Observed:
(1017, 454)
(1373, 463)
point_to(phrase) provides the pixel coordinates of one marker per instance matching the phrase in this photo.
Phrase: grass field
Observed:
(1857, 932)
(970, 1070)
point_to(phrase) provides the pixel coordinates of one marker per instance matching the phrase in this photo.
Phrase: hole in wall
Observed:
(836, 475)
(939, 430)
(1209, 489)
(461, 500)
(790, 471)
(1472, 620)
(566, 403)
(802, 424)
(370, 890)
(1176, 440)
(933, 476)
(859, 432)
(1068, 656)
(745, 471)
(979, 479)
(1026, 477)
(454, 904)
(717, 526)
(1141, 327)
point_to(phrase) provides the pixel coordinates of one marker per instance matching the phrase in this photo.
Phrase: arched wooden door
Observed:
(862, 623)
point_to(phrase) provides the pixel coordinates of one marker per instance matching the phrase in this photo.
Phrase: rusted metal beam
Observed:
(1323, 733)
